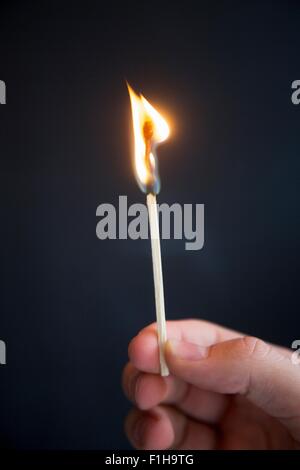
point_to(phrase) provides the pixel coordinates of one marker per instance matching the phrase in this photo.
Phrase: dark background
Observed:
(69, 302)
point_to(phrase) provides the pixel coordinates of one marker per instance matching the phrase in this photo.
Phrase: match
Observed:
(158, 281)
(150, 129)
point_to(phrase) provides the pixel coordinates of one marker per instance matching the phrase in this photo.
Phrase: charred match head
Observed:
(153, 181)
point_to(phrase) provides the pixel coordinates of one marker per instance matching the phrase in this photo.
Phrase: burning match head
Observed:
(149, 129)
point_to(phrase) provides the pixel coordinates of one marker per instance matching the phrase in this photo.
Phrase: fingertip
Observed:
(129, 376)
(148, 430)
(143, 351)
(160, 436)
(150, 390)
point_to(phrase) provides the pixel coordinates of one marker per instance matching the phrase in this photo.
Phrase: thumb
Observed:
(246, 366)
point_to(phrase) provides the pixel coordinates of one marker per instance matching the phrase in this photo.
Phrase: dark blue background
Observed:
(70, 302)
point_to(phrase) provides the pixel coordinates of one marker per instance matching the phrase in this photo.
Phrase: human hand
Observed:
(225, 391)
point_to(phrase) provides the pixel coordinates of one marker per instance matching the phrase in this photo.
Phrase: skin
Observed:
(225, 391)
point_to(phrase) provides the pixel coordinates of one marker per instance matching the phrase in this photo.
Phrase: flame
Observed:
(149, 129)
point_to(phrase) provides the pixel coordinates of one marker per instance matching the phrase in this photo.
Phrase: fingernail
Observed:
(188, 351)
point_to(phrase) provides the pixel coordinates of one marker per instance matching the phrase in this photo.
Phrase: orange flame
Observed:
(149, 129)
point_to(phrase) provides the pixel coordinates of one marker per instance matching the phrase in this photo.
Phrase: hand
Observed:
(225, 391)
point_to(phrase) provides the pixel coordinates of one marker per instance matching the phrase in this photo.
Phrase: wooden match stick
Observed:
(158, 281)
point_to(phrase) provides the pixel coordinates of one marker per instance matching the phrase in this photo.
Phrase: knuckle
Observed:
(255, 348)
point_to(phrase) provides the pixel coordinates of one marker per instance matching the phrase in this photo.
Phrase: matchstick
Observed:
(158, 281)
